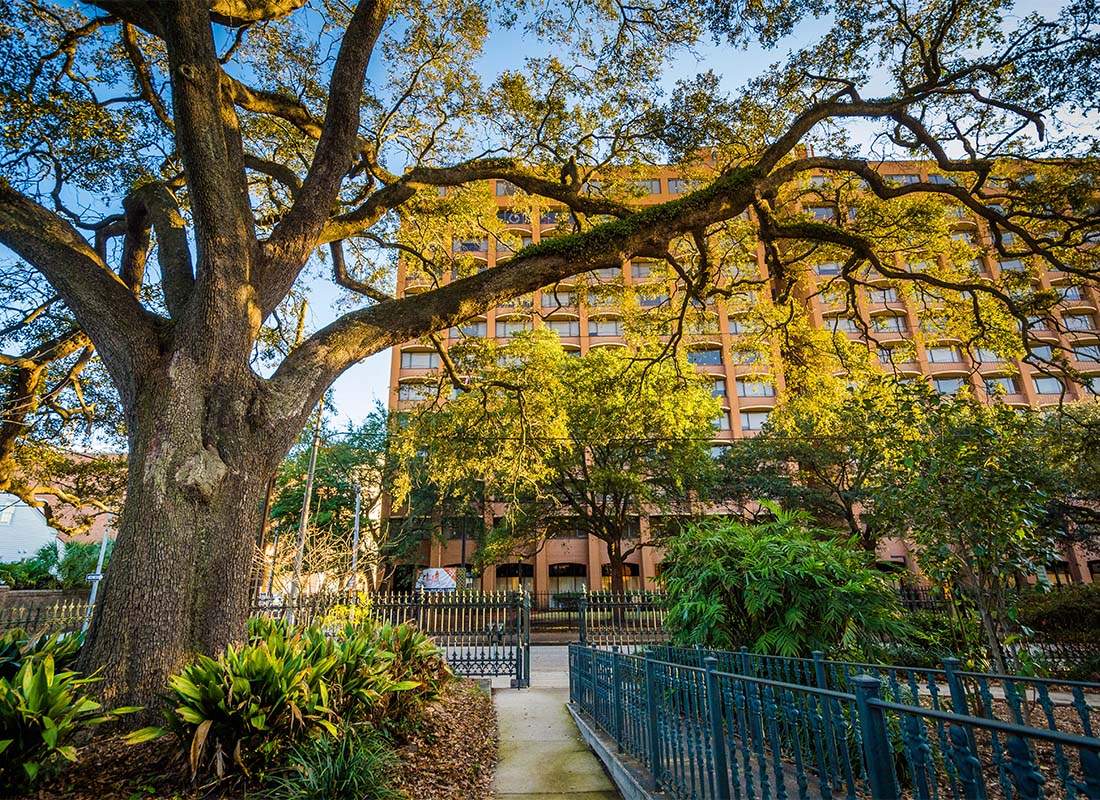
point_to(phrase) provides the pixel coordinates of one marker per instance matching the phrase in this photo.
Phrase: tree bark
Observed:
(178, 583)
(618, 567)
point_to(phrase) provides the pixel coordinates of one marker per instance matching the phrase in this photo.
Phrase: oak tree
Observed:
(175, 169)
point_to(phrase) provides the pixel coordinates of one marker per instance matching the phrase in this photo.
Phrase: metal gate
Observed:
(482, 634)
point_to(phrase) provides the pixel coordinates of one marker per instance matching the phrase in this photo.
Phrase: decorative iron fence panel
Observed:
(628, 620)
(706, 733)
(64, 617)
(1049, 703)
(482, 634)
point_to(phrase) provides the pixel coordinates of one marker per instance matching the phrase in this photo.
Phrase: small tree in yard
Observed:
(973, 494)
(601, 439)
(781, 587)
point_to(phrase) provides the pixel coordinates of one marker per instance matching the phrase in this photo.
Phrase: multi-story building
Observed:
(747, 388)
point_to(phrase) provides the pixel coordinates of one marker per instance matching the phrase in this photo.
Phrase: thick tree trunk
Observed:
(178, 582)
(618, 568)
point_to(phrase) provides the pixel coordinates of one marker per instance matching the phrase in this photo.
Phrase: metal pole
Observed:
(303, 523)
(98, 575)
(355, 538)
(274, 560)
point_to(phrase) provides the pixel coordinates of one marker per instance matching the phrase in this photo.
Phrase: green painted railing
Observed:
(705, 732)
(1051, 703)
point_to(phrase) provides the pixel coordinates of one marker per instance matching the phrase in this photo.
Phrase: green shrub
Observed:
(1072, 612)
(41, 710)
(351, 765)
(244, 710)
(32, 573)
(780, 587)
(17, 646)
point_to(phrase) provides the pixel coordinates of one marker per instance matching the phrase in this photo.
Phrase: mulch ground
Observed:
(451, 757)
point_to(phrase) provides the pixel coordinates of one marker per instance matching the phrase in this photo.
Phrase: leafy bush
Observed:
(355, 764)
(779, 587)
(31, 573)
(415, 659)
(40, 712)
(17, 647)
(246, 708)
(78, 560)
(1072, 612)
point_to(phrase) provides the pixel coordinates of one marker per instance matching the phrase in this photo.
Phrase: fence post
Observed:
(717, 737)
(616, 698)
(526, 640)
(961, 706)
(582, 613)
(877, 753)
(651, 717)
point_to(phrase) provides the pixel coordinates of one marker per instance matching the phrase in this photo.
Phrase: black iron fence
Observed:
(723, 725)
(483, 634)
(63, 617)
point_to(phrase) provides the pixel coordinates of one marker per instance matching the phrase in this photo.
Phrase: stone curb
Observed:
(626, 773)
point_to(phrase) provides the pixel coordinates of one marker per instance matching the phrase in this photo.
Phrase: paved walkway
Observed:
(542, 755)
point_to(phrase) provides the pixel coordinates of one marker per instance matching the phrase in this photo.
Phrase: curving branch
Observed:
(124, 333)
(297, 234)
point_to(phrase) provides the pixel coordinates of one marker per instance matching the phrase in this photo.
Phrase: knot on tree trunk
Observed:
(201, 474)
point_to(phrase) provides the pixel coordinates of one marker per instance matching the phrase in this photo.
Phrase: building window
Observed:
(753, 420)
(718, 389)
(941, 180)
(1047, 384)
(904, 179)
(559, 299)
(513, 577)
(889, 324)
(705, 358)
(1012, 265)
(828, 268)
(415, 391)
(988, 357)
(1043, 351)
(470, 329)
(648, 186)
(470, 245)
(846, 324)
(966, 237)
(1079, 322)
(1068, 292)
(822, 213)
(1094, 570)
(566, 579)
(1087, 352)
(505, 189)
(947, 385)
(1002, 385)
(640, 272)
(882, 296)
(677, 186)
(565, 327)
(754, 388)
(605, 327)
(511, 327)
(1058, 573)
(7, 513)
(652, 300)
(419, 360)
(944, 355)
(631, 577)
(722, 421)
(509, 217)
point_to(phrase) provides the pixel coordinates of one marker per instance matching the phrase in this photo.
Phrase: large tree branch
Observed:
(156, 201)
(296, 236)
(208, 144)
(648, 231)
(124, 333)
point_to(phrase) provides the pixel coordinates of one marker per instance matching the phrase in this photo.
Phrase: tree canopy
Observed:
(175, 169)
(588, 442)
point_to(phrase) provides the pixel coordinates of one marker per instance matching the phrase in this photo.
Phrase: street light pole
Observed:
(97, 576)
(303, 525)
(355, 538)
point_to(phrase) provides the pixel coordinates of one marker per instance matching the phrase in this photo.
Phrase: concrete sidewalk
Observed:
(542, 754)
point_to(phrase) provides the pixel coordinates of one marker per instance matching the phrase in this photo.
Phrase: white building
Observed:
(23, 530)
